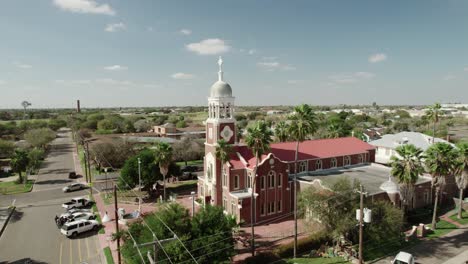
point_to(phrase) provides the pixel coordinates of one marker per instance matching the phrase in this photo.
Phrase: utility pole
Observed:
(193, 203)
(139, 174)
(89, 169)
(117, 224)
(155, 244)
(361, 221)
(85, 164)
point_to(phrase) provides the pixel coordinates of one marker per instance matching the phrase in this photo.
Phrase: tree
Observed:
(6, 148)
(19, 163)
(35, 156)
(433, 114)
(439, 161)
(461, 175)
(406, 167)
(110, 153)
(187, 148)
(223, 151)
(142, 125)
(281, 131)
(56, 124)
(259, 138)
(302, 126)
(163, 156)
(40, 137)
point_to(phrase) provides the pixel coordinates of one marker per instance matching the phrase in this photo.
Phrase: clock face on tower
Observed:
(227, 133)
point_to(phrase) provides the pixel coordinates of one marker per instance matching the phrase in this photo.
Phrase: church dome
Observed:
(221, 89)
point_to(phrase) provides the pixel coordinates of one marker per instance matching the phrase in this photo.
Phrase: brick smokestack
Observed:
(78, 108)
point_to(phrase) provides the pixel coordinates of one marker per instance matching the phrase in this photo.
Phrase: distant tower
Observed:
(78, 108)
(220, 124)
(25, 104)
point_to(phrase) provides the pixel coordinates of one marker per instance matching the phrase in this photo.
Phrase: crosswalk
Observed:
(83, 249)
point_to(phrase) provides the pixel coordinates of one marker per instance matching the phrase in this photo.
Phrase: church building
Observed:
(230, 185)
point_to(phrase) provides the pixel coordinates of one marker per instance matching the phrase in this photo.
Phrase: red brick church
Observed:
(229, 185)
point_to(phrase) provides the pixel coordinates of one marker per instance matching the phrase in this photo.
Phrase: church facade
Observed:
(230, 185)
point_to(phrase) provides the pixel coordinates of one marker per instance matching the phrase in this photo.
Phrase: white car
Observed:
(72, 229)
(74, 187)
(77, 210)
(403, 258)
(79, 216)
(77, 202)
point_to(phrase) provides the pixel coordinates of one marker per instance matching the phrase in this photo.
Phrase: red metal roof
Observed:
(310, 149)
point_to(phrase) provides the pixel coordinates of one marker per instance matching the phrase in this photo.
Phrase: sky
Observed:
(121, 53)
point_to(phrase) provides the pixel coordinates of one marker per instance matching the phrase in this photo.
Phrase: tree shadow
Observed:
(23, 261)
(16, 216)
(58, 181)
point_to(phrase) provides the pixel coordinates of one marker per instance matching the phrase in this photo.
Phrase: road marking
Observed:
(97, 245)
(87, 247)
(79, 248)
(71, 252)
(61, 249)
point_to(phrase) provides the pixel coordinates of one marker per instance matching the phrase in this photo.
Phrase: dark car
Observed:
(72, 175)
(186, 175)
(189, 168)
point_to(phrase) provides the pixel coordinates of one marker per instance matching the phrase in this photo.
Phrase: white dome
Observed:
(221, 89)
(390, 186)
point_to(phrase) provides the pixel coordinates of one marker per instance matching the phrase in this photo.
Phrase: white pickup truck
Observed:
(77, 203)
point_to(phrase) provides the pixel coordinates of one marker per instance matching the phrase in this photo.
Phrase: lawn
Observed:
(123, 196)
(462, 221)
(335, 260)
(190, 163)
(443, 227)
(181, 187)
(98, 218)
(376, 251)
(13, 187)
(108, 254)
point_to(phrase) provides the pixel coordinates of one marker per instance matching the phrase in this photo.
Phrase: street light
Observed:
(107, 194)
(139, 174)
(193, 203)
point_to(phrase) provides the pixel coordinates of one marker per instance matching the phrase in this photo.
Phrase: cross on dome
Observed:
(220, 72)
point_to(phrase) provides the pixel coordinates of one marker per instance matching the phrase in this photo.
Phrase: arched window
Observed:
(318, 165)
(280, 179)
(361, 158)
(347, 161)
(333, 163)
(210, 172)
(271, 179)
(302, 166)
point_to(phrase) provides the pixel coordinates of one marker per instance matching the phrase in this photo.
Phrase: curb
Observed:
(7, 220)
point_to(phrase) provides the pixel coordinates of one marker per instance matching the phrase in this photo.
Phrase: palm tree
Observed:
(406, 168)
(281, 131)
(223, 150)
(259, 138)
(334, 130)
(433, 113)
(461, 175)
(302, 125)
(19, 163)
(163, 156)
(440, 158)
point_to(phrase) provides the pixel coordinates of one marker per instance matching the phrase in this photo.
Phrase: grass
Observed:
(442, 228)
(376, 251)
(462, 221)
(122, 196)
(81, 155)
(98, 218)
(334, 260)
(108, 254)
(13, 187)
(190, 163)
(181, 186)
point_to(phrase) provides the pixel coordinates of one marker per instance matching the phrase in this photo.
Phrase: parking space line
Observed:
(79, 248)
(87, 247)
(71, 252)
(61, 250)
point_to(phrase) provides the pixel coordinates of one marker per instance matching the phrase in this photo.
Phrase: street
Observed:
(32, 233)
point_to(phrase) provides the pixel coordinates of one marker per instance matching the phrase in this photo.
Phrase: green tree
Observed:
(281, 131)
(259, 138)
(223, 151)
(6, 148)
(433, 114)
(19, 163)
(163, 156)
(187, 148)
(56, 124)
(407, 166)
(302, 126)
(149, 171)
(461, 173)
(40, 137)
(440, 158)
(35, 156)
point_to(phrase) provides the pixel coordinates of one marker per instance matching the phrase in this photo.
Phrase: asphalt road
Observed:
(32, 233)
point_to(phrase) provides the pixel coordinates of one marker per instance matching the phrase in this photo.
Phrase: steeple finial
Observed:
(220, 72)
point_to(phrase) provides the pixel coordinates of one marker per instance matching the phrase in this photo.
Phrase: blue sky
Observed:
(158, 53)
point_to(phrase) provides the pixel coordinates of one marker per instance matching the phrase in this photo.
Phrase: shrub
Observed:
(262, 257)
(303, 245)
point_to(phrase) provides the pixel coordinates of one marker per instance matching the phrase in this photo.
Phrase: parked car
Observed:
(403, 258)
(81, 216)
(188, 175)
(189, 168)
(72, 229)
(77, 202)
(74, 211)
(74, 187)
(72, 175)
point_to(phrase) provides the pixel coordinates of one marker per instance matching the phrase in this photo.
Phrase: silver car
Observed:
(74, 187)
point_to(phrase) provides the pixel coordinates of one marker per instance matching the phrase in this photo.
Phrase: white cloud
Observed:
(151, 85)
(22, 65)
(2, 82)
(209, 47)
(269, 58)
(115, 27)
(185, 31)
(182, 76)
(378, 57)
(465, 69)
(150, 29)
(449, 77)
(295, 81)
(85, 6)
(272, 65)
(73, 82)
(115, 68)
(252, 52)
(347, 78)
(364, 75)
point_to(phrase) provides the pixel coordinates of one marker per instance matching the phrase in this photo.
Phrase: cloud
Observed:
(115, 27)
(182, 76)
(85, 7)
(295, 81)
(73, 82)
(2, 82)
(115, 68)
(449, 77)
(22, 65)
(273, 65)
(151, 85)
(209, 47)
(465, 69)
(269, 58)
(252, 52)
(347, 78)
(150, 29)
(378, 57)
(185, 31)
(364, 75)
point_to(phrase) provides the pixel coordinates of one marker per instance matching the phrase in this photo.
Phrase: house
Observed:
(385, 146)
(169, 130)
(372, 133)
